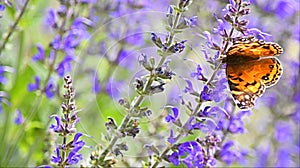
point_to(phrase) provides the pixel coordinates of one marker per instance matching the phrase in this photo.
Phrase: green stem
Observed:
(13, 27)
(140, 98)
(163, 154)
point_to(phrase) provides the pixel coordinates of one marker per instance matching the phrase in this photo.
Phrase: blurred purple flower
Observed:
(219, 94)
(50, 89)
(296, 115)
(40, 55)
(34, 86)
(220, 29)
(192, 124)
(189, 88)
(283, 132)
(174, 96)
(198, 74)
(192, 21)
(2, 7)
(262, 156)
(125, 59)
(64, 66)
(284, 158)
(113, 88)
(190, 154)
(50, 18)
(135, 37)
(88, 1)
(174, 158)
(236, 125)
(205, 95)
(270, 99)
(1, 107)
(56, 43)
(229, 156)
(96, 83)
(209, 40)
(206, 53)
(286, 8)
(179, 46)
(218, 114)
(19, 119)
(257, 33)
(3, 79)
(294, 76)
(171, 138)
(172, 117)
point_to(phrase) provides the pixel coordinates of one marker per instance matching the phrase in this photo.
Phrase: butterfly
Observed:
(251, 67)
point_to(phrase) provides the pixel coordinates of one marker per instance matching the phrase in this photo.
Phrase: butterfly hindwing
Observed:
(248, 81)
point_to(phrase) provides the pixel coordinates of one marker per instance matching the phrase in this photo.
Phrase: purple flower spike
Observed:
(173, 117)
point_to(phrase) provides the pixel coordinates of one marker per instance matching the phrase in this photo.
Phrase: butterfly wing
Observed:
(247, 81)
(252, 50)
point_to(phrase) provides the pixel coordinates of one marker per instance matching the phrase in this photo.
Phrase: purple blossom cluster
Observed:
(71, 30)
(67, 153)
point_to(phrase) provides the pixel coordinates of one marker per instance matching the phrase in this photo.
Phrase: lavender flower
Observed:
(3, 79)
(34, 86)
(69, 36)
(67, 152)
(40, 55)
(174, 116)
(189, 153)
(19, 119)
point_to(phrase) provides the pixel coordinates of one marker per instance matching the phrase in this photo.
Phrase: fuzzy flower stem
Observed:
(140, 98)
(172, 35)
(13, 27)
(218, 66)
(219, 63)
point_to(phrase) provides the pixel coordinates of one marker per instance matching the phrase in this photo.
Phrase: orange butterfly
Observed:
(251, 68)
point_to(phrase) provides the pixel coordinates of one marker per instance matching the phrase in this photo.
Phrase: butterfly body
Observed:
(251, 68)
